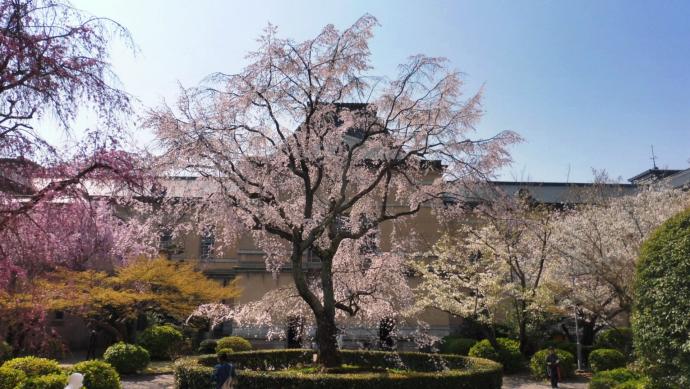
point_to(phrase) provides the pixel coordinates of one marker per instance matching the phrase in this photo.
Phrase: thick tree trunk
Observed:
(326, 333)
(324, 311)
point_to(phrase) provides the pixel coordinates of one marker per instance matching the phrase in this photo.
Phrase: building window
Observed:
(208, 239)
(58, 318)
(167, 243)
(311, 256)
(369, 244)
(165, 240)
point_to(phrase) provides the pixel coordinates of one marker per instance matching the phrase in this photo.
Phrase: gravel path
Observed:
(160, 381)
(525, 382)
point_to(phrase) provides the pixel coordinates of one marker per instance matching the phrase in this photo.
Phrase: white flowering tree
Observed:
(598, 245)
(308, 151)
(494, 267)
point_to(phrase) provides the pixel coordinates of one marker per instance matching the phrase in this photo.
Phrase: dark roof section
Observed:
(652, 175)
(16, 175)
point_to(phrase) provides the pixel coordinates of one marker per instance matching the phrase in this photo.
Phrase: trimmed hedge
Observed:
(459, 346)
(34, 366)
(161, 341)
(606, 359)
(127, 358)
(235, 343)
(508, 353)
(661, 324)
(610, 379)
(10, 378)
(207, 346)
(266, 369)
(413, 380)
(97, 374)
(190, 374)
(537, 364)
(620, 339)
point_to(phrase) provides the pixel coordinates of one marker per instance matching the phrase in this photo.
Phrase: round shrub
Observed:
(661, 324)
(97, 375)
(207, 346)
(508, 353)
(606, 359)
(459, 346)
(126, 358)
(266, 369)
(10, 378)
(537, 364)
(237, 343)
(50, 381)
(5, 351)
(34, 366)
(161, 341)
(616, 338)
(609, 379)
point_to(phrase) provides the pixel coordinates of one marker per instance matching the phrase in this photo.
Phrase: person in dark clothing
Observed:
(91, 350)
(553, 367)
(223, 372)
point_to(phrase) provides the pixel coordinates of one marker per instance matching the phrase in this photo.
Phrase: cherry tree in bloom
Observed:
(307, 151)
(598, 245)
(494, 267)
(462, 283)
(55, 62)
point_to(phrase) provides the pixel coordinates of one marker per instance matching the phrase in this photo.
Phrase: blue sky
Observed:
(588, 84)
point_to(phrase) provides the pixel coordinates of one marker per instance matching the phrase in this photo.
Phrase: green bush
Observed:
(508, 353)
(161, 341)
(606, 359)
(10, 378)
(34, 366)
(207, 346)
(459, 346)
(225, 351)
(97, 375)
(661, 324)
(189, 374)
(616, 338)
(127, 358)
(537, 364)
(236, 343)
(50, 381)
(610, 379)
(642, 383)
(262, 369)
(5, 351)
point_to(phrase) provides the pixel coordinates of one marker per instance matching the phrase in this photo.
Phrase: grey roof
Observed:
(680, 179)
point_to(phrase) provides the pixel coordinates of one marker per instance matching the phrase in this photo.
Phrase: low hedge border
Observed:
(266, 369)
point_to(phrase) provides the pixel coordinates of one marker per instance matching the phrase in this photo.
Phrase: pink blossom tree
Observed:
(308, 151)
(54, 63)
